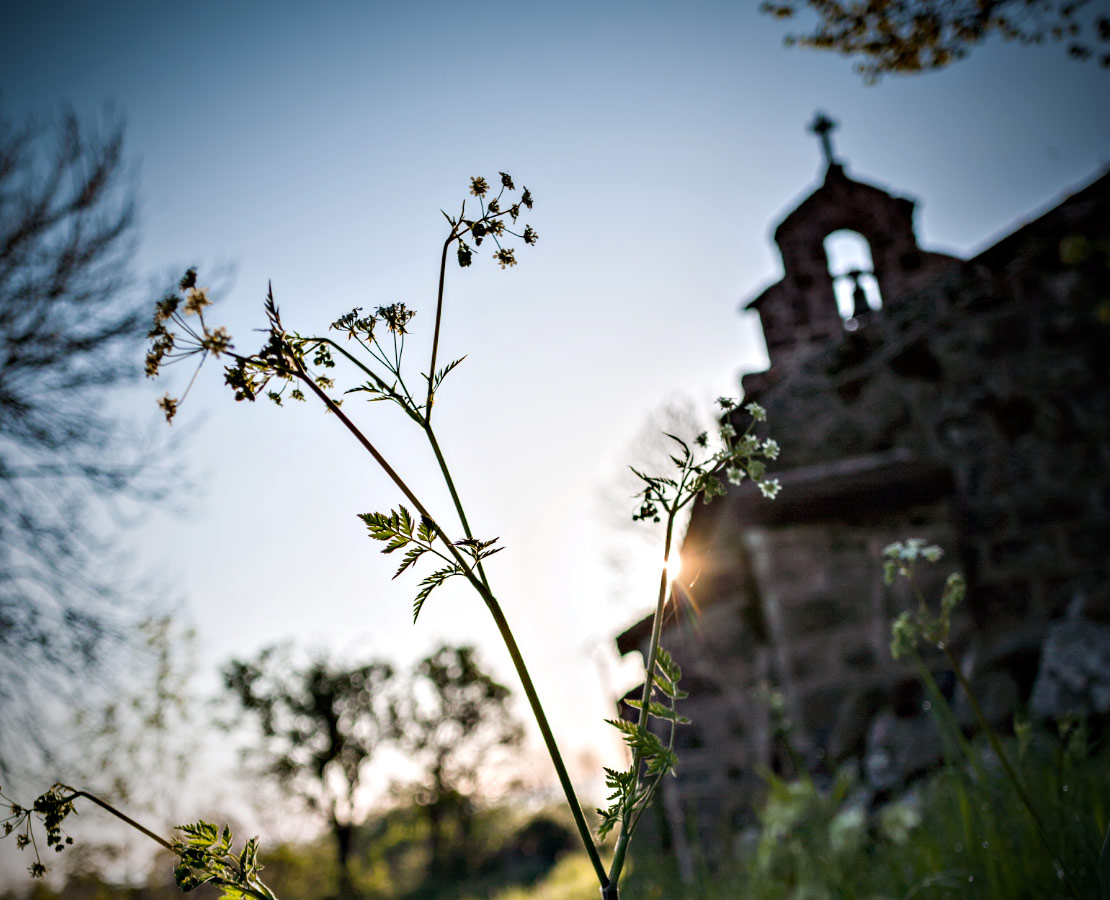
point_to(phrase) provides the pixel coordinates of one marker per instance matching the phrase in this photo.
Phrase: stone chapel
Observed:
(914, 394)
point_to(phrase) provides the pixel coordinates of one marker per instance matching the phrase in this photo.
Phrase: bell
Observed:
(859, 300)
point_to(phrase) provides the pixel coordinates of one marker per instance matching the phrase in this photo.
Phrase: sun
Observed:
(672, 565)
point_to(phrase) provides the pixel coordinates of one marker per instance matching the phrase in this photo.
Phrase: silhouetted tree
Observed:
(906, 36)
(321, 725)
(138, 748)
(453, 721)
(70, 332)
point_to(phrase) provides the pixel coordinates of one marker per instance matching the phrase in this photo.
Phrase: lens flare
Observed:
(673, 567)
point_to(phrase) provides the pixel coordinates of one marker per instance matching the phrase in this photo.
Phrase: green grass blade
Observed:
(1104, 867)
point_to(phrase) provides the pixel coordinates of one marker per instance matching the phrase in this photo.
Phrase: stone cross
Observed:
(821, 126)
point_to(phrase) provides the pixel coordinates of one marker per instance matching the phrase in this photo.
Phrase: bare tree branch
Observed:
(71, 324)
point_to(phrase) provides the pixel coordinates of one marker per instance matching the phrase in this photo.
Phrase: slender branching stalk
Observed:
(699, 475)
(1011, 773)
(934, 628)
(293, 366)
(478, 580)
(630, 815)
(204, 853)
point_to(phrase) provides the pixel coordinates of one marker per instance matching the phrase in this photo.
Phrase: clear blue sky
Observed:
(315, 144)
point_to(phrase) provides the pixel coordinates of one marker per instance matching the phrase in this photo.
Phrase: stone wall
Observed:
(972, 410)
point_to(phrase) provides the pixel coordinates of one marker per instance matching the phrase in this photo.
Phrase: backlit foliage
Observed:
(902, 37)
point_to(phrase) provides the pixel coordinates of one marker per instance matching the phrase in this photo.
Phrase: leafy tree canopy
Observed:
(456, 718)
(906, 36)
(321, 725)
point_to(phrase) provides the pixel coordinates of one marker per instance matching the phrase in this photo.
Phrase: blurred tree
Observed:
(70, 333)
(137, 750)
(907, 36)
(452, 721)
(320, 725)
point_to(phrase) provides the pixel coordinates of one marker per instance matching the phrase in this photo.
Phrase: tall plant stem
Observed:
(450, 482)
(545, 729)
(522, 670)
(944, 713)
(435, 335)
(158, 839)
(451, 487)
(123, 817)
(377, 379)
(372, 450)
(1011, 773)
(502, 626)
(621, 849)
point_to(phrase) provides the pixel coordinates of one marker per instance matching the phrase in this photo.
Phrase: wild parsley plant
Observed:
(923, 626)
(292, 366)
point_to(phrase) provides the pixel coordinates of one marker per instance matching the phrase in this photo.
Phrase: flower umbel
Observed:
(196, 300)
(770, 488)
(168, 405)
(912, 626)
(497, 214)
(175, 337)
